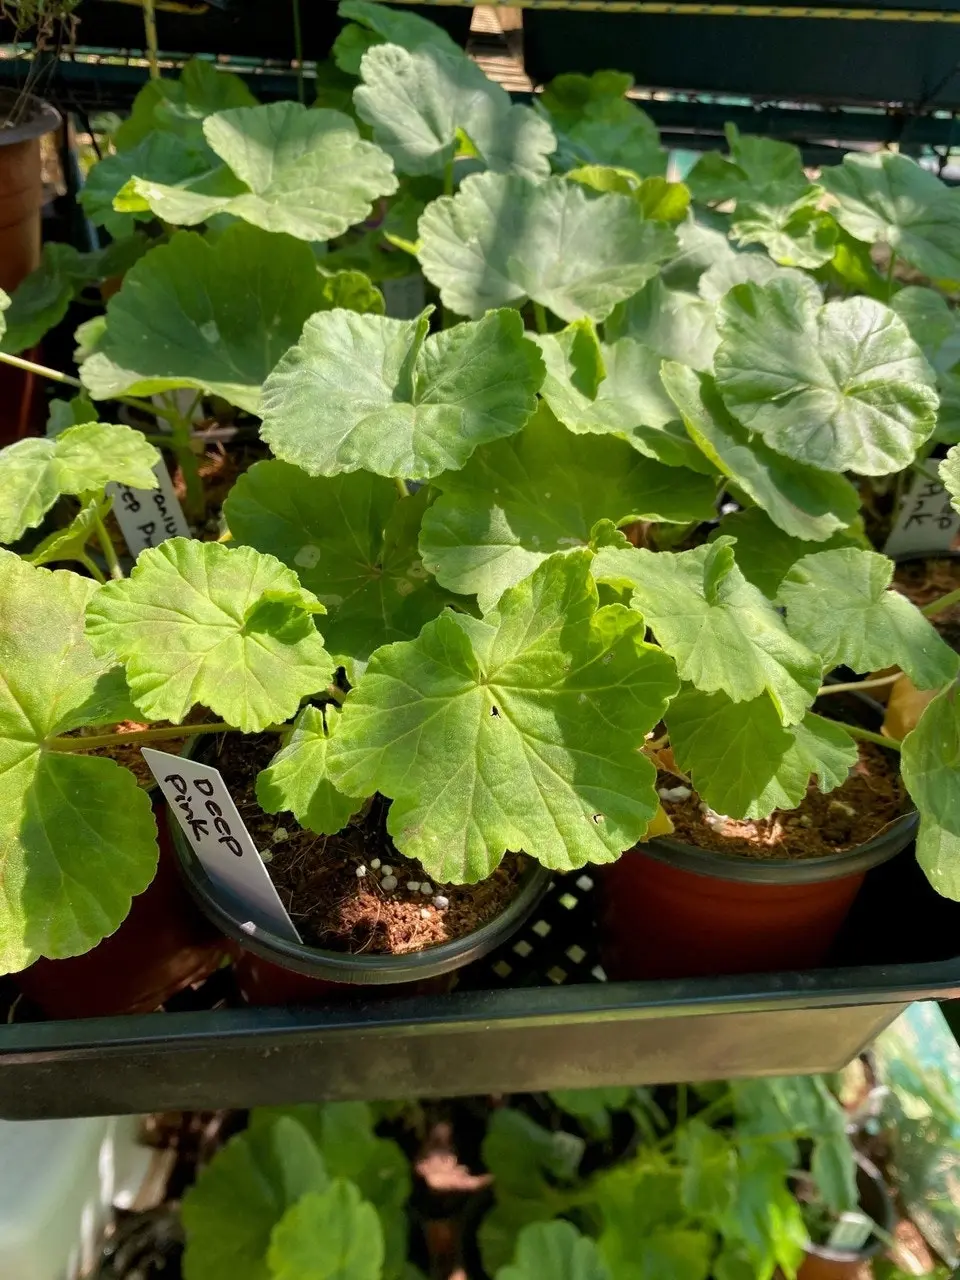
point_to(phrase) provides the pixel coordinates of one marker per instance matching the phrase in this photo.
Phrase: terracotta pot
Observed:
(674, 911)
(822, 1263)
(164, 945)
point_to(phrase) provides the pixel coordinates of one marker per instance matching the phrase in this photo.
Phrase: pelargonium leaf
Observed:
(383, 22)
(214, 315)
(161, 158)
(803, 501)
(839, 603)
(744, 763)
(950, 475)
(555, 1251)
(328, 1235)
(304, 172)
(296, 779)
(724, 635)
(502, 239)
(366, 392)
(675, 324)
(933, 324)
(519, 501)
(77, 836)
(597, 125)
(418, 102)
(231, 1210)
(938, 853)
(614, 388)
(887, 197)
(755, 165)
(41, 299)
(749, 267)
(226, 628)
(765, 553)
(930, 761)
(34, 472)
(795, 234)
(526, 727)
(709, 1179)
(841, 387)
(179, 106)
(352, 541)
(655, 197)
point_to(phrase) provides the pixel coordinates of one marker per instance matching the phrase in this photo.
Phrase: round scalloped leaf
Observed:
(226, 628)
(521, 500)
(597, 125)
(555, 1251)
(328, 1235)
(180, 106)
(841, 386)
(765, 553)
(744, 763)
(930, 761)
(306, 173)
(755, 166)
(213, 315)
(890, 198)
(840, 605)
(352, 541)
(418, 102)
(296, 779)
(674, 324)
(382, 23)
(938, 852)
(950, 475)
(724, 635)
(164, 159)
(520, 731)
(502, 239)
(370, 393)
(802, 501)
(77, 836)
(614, 388)
(795, 234)
(34, 473)
(934, 325)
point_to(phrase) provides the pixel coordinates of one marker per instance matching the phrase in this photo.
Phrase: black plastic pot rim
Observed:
(232, 918)
(875, 1244)
(40, 118)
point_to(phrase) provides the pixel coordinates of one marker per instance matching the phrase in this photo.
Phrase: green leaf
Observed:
(418, 102)
(166, 159)
(70, 542)
(540, 493)
(930, 762)
(216, 316)
(328, 1235)
(62, 414)
(597, 125)
(765, 553)
(525, 1159)
(237, 1200)
(614, 388)
(723, 634)
(592, 1107)
(744, 268)
(756, 167)
(842, 386)
(795, 234)
(352, 542)
(933, 324)
(655, 197)
(766, 1217)
(889, 198)
(35, 472)
(938, 853)
(526, 725)
(382, 22)
(839, 603)
(555, 1251)
(950, 475)
(304, 172)
(351, 290)
(676, 325)
(366, 392)
(502, 239)
(296, 778)
(743, 762)
(180, 106)
(77, 836)
(41, 300)
(801, 500)
(709, 1180)
(643, 1215)
(201, 623)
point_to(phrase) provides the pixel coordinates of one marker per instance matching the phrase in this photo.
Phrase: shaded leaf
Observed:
(328, 1235)
(554, 1251)
(383, 22)
(930, 765)
(674, 324)
(166, 159)
(180, 106)
(755, 166)
(765, 553)
(597, 125)
(709, 1178)
(296, 778)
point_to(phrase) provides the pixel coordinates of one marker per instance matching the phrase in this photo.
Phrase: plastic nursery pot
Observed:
(823, 1263)
(272, 970)
(24, 120)
(164, 945)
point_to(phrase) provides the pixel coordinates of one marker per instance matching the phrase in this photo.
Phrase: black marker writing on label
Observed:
(190, 810)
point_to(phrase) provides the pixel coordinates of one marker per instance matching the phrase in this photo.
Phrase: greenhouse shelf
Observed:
(535, 1015)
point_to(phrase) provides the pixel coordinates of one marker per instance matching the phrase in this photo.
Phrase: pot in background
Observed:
(164, 945)
(273, 970)
(823, 1263)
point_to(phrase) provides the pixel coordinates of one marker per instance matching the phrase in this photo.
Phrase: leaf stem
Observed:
(108, 549)
(402, 489)
(168, 732)
(540, 316)
(54, 375)
(867, 735)
(945, 602)
(854, 686)
(92, 568)
(890, 269)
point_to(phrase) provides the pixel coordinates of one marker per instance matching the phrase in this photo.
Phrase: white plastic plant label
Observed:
(148, 517)
(926, 521)
(404, 296)
(208, 817)
(851, 1232)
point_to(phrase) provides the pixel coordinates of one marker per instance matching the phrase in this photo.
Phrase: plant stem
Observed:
(54, 375)
(107, 547)
(540, 315)
(298, 51)
(938, 606)
(855, 686)
(890, 269)
(867, 735)
(95, 741)
(92, 568)
(150, 31)
(402, 489)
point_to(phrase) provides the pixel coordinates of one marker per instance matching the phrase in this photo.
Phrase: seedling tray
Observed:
(537, 1014)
